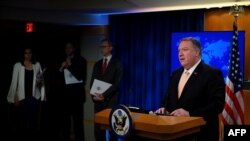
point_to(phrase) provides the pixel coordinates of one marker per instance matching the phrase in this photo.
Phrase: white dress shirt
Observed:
(108, 59)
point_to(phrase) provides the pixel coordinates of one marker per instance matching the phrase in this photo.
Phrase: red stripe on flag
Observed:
(235, 103)
(229, 112)
(223, 119)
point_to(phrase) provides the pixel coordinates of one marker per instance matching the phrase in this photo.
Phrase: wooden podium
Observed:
(155, 126)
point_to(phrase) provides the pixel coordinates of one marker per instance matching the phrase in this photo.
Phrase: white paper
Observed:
(99, 87)
(70, 78)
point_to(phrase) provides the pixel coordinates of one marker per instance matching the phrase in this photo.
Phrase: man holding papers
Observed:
(106, 76)
(73, 70)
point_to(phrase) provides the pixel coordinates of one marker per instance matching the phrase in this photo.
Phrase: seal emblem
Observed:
(98, 88)
(120, 121)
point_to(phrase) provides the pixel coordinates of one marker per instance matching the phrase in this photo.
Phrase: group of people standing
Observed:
(195, 89)
(45, 101)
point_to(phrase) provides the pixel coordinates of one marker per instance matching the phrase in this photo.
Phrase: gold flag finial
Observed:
(235, 10)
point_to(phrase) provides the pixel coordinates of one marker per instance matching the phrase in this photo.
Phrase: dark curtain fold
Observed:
(143, 44)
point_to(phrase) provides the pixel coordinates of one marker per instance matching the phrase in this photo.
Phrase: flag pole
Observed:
(228, 116)
(233, 112)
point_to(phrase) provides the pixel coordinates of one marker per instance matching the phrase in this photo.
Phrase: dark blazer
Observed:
(113, 75)
(203, 95)
(78, 68)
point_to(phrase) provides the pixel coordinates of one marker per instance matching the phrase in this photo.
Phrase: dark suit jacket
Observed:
(203, 95)
(78, 68)
(112, 75)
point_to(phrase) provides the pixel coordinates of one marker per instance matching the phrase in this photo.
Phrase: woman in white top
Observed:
(25, 92)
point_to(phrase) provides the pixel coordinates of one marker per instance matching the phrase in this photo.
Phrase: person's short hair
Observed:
(72, 43)
(194, 41)
(107, 40)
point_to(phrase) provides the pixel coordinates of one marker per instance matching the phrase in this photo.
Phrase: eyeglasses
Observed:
(103, 46)
(27, 52)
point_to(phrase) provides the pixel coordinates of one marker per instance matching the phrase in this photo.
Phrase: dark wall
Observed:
(47, 42)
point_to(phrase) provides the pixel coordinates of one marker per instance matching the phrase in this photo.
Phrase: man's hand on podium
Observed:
(162, 111)
(180, 112)
(177, 112)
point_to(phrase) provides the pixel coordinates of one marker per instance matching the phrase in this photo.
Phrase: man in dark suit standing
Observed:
(195, 89)
(108, 69)
(73, 70)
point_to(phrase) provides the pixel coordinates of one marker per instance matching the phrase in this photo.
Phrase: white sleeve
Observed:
(38, 67)
(13, 85)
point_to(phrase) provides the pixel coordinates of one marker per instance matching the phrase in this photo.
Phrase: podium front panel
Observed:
(155, 126)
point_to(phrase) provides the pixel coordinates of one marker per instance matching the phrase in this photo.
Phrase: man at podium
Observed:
(195, 89)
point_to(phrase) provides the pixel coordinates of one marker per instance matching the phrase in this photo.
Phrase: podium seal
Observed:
(120, 121)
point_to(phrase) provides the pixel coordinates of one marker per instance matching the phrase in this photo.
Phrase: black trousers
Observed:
(24, 120)
(73, 106)
(100, 135)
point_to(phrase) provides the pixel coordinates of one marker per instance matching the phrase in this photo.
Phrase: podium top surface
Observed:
(155, 123)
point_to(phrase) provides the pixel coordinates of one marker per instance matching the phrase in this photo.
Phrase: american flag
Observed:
(233, 112)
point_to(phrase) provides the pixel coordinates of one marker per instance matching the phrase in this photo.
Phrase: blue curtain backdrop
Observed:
(143, 44)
